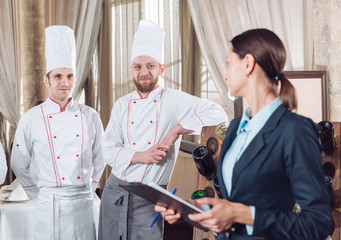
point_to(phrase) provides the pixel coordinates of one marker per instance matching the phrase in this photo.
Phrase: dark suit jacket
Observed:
(282, 165)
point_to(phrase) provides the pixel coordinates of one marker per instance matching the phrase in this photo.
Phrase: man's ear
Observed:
(249, 63)
(162, 69)
(46, 81)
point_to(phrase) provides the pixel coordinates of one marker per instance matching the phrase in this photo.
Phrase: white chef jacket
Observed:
(3, 165)
(58, 149)
(138, 123)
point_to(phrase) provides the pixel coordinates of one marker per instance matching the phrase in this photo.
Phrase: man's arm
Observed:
(158, 151)
(97, 156)
(152, 155)
(115, 153)
(174, 134)
(193, 113)
(21, 159)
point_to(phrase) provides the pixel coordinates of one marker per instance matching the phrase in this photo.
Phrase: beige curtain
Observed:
(190, 58)
(9, 73)
(217, 21)
(84, 17)
(104, 87)
(105, 83)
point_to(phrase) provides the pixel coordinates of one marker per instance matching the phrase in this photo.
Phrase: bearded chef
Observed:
(57, 153)
(3, 165)
(142, 139)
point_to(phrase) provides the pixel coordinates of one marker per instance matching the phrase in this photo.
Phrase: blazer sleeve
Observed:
(303, 166)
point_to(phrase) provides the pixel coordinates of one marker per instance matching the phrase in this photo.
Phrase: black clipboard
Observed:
(158, 195)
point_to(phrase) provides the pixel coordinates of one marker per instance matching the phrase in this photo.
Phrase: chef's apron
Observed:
(126, 216)
(65, 214)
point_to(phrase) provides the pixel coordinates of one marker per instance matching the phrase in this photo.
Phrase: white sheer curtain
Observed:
(216, 22)
(9, 74)
(84, 17)
(9, 63)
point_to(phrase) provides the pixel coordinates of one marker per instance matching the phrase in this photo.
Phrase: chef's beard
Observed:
(146, 87)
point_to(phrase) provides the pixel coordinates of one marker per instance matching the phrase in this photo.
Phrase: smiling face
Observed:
(146, 71)
(60, 83)
(236, 74)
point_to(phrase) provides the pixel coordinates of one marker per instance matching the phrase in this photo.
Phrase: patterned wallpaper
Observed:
(327, 49)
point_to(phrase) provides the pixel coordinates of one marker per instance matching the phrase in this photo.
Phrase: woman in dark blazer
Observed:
(270, 158)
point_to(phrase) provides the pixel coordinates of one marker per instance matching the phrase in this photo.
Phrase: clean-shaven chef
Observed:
(143, 137)
(57, 153)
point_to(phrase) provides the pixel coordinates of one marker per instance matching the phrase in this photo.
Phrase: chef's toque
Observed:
(148, 41)
(60, 48)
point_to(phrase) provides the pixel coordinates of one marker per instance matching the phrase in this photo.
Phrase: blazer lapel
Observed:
(256, 145)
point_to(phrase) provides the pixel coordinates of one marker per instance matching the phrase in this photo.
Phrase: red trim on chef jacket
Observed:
(60, 107)
(129, 107)
(116, 157)
(157, 118)
(54, 158)
(144, 172)
(156, 122)
(140, 94)
(200, 119)
(51, 150)
(81, 153)
(156, 125)
(27, 186)
(147, 93)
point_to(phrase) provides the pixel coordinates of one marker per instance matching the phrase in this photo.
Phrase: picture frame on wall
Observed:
(312, 95)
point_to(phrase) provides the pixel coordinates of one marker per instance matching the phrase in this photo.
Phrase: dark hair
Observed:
(269, 53)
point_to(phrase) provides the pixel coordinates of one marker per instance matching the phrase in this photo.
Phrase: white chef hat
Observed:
(148, 41)
(60, 48)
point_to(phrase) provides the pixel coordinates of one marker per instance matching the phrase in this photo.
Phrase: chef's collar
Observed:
(56, 106)
(150, 95)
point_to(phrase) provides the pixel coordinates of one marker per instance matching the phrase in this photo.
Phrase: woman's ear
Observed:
(249, 63)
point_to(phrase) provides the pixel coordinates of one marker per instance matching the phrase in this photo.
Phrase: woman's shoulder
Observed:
(292, 117)
(293, 122)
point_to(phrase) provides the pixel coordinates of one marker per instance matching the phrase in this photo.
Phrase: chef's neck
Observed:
(62, 103)
(145, 94)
